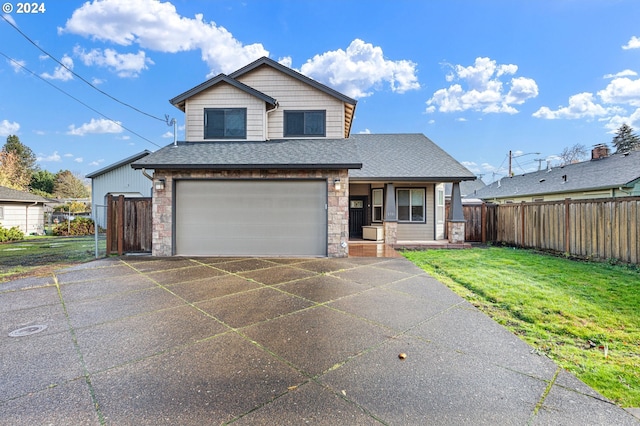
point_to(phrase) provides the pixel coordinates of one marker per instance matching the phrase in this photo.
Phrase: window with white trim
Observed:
(376, 205)
(225, 123)
(440, 205)
(1, 212)
(411, 205)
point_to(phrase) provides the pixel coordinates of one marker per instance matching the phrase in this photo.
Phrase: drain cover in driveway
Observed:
(27, 331)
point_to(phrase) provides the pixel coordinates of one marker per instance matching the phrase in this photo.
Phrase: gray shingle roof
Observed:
(405, 157)
(615, 171)
(120, 163)
(9, 194)
(289, 153)
(369, 157)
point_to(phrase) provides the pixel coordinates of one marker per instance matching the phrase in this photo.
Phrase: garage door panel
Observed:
(247, 217)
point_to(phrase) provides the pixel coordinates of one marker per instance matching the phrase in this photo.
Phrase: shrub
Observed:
(11, 234)
(78, 226)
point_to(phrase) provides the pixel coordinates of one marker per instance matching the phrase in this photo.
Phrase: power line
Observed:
(77, 75)
(78, 100)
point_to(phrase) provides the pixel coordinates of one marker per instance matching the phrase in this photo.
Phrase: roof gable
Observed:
(120, 163)
(264, 61)
(179, 101)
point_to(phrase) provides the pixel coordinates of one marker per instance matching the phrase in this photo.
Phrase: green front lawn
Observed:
(34, 254)
(583, 315)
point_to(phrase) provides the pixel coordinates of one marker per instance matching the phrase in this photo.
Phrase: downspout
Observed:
(147, 175)
(266, 120)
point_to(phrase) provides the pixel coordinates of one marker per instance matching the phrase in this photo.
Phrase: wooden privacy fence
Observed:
(605, 228)
(129, 225)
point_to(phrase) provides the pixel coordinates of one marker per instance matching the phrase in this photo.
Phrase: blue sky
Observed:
(480, 78)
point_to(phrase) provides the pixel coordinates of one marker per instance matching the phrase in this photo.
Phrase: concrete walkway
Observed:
(147, 341)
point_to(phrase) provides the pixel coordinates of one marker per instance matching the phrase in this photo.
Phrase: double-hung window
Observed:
(376, 205)
(411, 205)
(225, 123)
(304, 123)
(440, 205)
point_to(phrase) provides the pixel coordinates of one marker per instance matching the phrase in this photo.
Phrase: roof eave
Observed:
(326, 166)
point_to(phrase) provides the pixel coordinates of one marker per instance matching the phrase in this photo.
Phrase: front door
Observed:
(357, 216)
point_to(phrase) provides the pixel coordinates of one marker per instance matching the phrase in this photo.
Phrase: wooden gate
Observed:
(129, 225)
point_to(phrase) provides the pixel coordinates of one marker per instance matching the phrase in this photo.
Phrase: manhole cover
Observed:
(27, 331)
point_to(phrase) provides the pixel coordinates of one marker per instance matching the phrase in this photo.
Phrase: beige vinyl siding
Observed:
(419, 231)
(223, 96)
(293, 94)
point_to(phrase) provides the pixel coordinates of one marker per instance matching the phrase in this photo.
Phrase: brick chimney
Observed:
(599, 151)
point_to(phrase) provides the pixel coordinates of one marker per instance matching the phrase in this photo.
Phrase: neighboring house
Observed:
(603, 176)
(467, 191)
(22, 209)
(270, 167)
(118, 179)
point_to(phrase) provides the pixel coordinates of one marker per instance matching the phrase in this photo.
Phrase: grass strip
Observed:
(583, 315)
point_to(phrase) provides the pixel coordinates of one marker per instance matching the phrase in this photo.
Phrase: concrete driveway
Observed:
(148, 341)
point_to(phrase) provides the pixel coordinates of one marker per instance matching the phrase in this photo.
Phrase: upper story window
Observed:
(304, 123)
(411, 205)
(225, 123)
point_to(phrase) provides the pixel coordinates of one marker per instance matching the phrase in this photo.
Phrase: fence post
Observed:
(567, 223)
(522, 204)
(483, 223)
(109, 223)
(120, 221)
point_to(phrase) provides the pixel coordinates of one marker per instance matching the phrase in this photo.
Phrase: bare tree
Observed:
(574, 154)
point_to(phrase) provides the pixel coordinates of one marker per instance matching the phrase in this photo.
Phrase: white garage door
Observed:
(251, 218)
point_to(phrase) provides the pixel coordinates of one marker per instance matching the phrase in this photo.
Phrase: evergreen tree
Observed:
(625, 140)
(42, 182)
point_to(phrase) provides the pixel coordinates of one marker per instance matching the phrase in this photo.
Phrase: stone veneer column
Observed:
(338, 215)
(455, 232)
(162, 205)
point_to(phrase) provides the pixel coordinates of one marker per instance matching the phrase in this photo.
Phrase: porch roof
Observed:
(402, 157)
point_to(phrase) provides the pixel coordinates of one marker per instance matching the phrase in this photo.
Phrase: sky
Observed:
(481, 78)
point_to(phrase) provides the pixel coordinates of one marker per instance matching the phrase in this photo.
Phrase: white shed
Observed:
(118, 179)
(22, 209)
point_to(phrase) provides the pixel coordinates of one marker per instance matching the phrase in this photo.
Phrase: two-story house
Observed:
(269, 167)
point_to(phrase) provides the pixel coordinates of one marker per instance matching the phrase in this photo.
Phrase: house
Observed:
(603, 176)
(23, 210)
(118, 179)
(269, 167)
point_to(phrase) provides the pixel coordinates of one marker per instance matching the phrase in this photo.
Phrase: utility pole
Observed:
(539, 160)
(510, 157)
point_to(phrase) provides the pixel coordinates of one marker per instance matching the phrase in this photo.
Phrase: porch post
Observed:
(456, 221)
(390, 219)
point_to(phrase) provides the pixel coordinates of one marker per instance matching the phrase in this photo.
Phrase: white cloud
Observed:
(96, 162)
(123, 64)
(157, 26)
(60, 72)
(78, 160)
(286, 61)
(581, 105)
(96, 81)
(53, 158)
(365, 132)
(485, 91)
(8, 128)
(10, 19)
(633, 43)
(359, 68)
(17, 64)
(168, 135)
(622, 91)
(68, 155)
(625, 73)
(95, 126)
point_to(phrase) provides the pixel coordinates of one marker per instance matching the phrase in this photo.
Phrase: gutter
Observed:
(266, 120)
